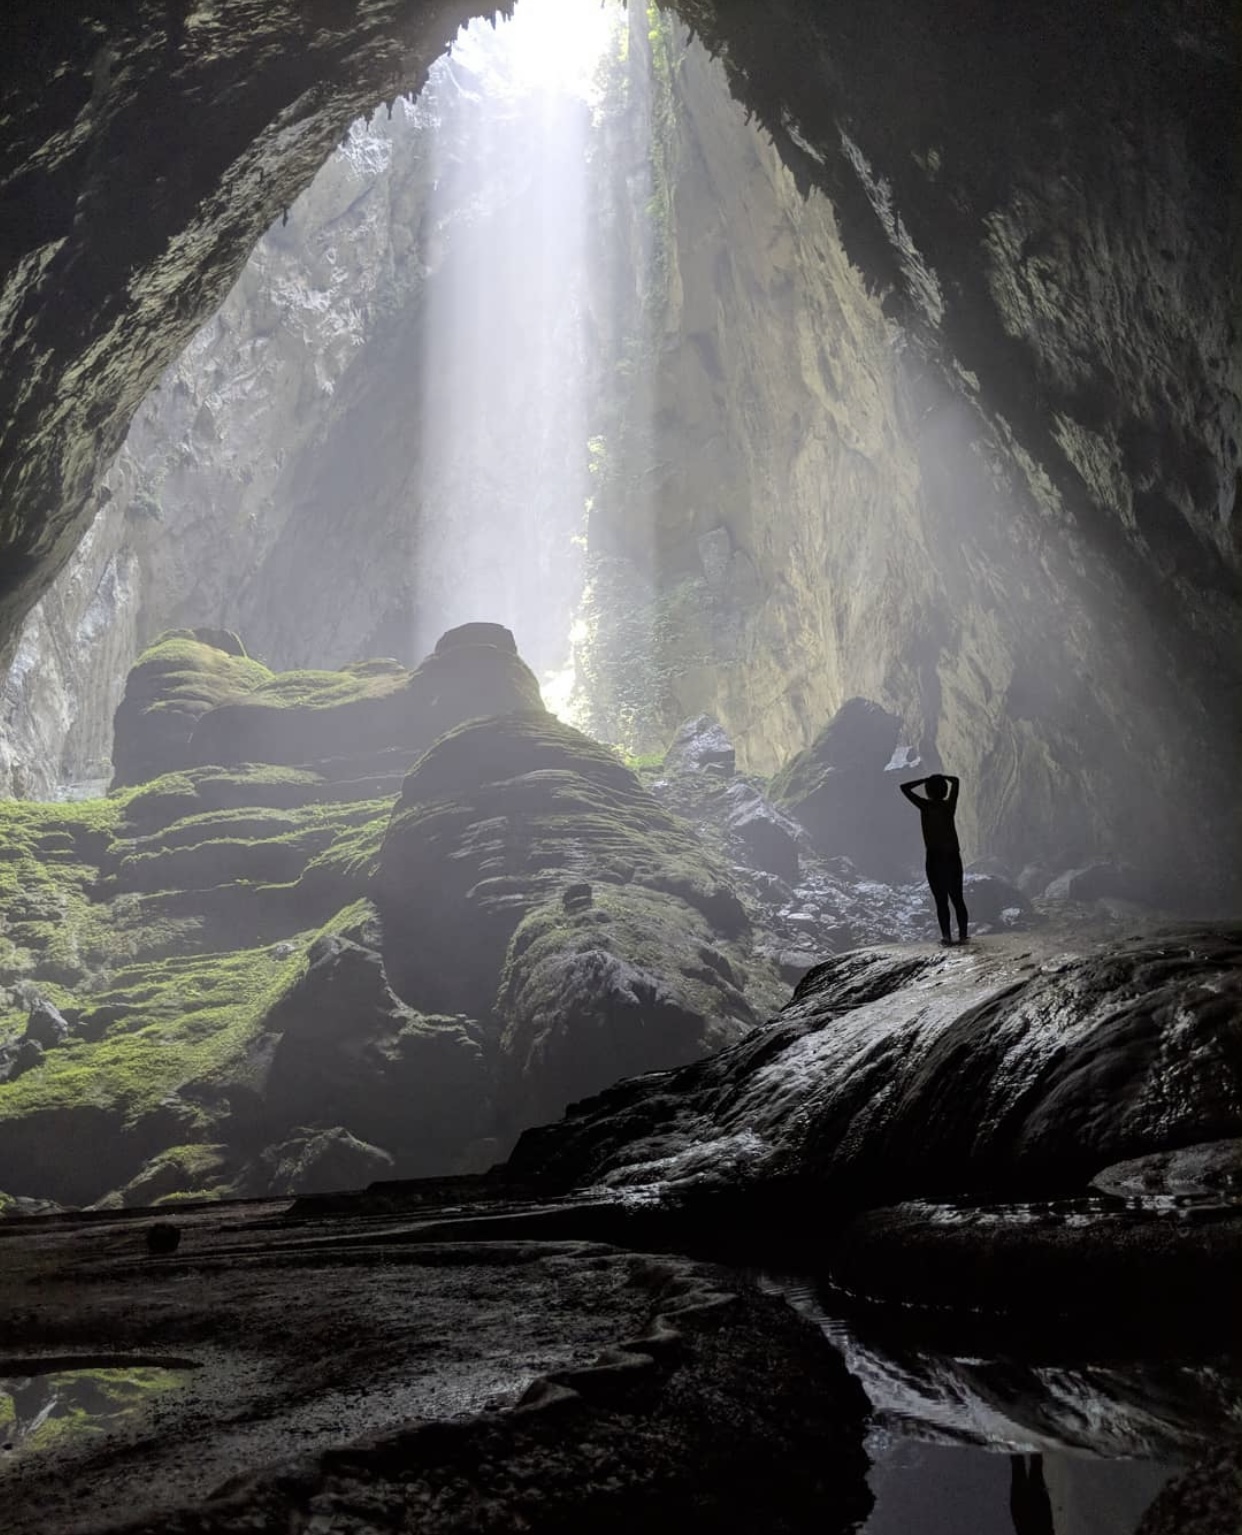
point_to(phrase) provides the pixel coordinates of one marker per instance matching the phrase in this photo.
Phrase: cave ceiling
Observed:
(1047, 197)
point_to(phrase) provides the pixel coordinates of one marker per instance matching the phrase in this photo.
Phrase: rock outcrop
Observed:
(842, 788)
(479, 878)
(183, 675)
(893, 1075)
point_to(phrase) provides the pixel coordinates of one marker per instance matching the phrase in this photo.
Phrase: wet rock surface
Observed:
(1043, 1260)
(892, 1074)
(357, 1372)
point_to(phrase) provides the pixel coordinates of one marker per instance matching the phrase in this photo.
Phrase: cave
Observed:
(494, 509)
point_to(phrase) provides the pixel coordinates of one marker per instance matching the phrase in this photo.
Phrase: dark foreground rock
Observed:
(1042, 1260)
(1203, 1502)
(999, 1069)
(328, 1375)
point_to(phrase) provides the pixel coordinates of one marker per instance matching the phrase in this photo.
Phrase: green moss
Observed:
(50, 856)
(351, 858)
(87, 1403)
(179, 669)
(181, 1020)
(568, 803)
(646, 930)
(264, 847)
(327, 690)
(174, 796)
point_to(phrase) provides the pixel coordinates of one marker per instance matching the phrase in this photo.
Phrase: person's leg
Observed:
(940, 894)
(955, 895)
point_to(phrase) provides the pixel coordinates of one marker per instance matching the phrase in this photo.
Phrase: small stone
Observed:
(46, 1026)
(163, 1238)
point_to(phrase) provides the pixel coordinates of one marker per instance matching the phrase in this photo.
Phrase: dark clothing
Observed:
(944, 857)
(944, 875)
(939, 827)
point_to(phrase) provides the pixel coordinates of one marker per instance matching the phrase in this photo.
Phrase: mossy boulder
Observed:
(180, 1172)
(173, 684)
(370, 707)
(632, 981)
(500, 828)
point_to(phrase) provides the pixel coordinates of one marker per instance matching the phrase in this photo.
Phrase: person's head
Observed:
(937, 786)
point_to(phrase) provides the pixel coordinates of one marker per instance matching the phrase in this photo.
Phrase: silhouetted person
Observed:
(1030, 1507)
(944, 856)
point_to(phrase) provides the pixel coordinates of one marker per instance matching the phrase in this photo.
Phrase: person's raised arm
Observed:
(954, 785)
(908, 790)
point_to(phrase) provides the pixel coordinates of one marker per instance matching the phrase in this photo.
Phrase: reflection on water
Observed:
(59, 1408)
(980, 1437)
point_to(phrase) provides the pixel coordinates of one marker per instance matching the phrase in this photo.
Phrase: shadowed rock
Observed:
(351, 1055)
(479, 886)
(839, 790)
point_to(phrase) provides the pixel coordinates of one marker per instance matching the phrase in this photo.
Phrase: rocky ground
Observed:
(349, 1374)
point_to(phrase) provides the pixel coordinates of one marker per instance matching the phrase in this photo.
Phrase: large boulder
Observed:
(700, 744)
(767, 839)
(893, 1075)
(843, 790)
(46, 1025)
(172, 685)
(482, 884)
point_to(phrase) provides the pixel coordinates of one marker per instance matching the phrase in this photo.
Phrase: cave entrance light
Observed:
(506, 369)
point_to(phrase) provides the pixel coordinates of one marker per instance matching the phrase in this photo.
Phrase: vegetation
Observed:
(327, 690)
(181, 1021)
(79, 1404)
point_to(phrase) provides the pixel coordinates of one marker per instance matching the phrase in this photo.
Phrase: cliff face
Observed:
(957, 431)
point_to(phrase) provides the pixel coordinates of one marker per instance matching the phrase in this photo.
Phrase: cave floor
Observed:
(286, 1338)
